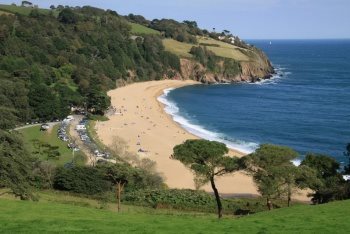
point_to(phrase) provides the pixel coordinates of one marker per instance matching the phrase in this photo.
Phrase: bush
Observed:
(194, 200)
(93, 180)
(85, 180)
(67, 16)
(185, 199)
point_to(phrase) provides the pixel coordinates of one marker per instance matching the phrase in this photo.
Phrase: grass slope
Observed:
(5, 13)
(34, 217)
(140, 29)
(220, 48)
(21, 10)
(34, 133)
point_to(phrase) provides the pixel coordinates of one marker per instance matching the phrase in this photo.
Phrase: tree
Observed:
(15, 165)
(44, 173)
(207, 160)
(296, 178)
(272, 171)
(332, 185)
(67, 16)
(191, 24)
(98, 101)
(81, 179)
(119, 175)
(8, 118)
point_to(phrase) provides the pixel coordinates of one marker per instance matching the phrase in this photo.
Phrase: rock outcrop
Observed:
(257, 68)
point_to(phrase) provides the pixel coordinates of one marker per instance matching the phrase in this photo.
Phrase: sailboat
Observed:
(270, 42)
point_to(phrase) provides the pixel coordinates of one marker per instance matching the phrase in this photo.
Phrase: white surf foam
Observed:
(280, 74)
(172, 109)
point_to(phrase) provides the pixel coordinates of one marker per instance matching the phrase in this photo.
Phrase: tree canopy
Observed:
(15, 166)
(273, 171)
(331, 185)
(207, 159)
(48, 64)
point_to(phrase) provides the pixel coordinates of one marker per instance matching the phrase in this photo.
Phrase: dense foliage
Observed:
(15, 166)
(331, 185)
(94, 180)
(208, 59)
(84, 180)
(273, 171)
(179, 31)
(172, 198)
(48, 64)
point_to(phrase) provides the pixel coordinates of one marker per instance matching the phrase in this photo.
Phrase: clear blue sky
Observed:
(249, 19)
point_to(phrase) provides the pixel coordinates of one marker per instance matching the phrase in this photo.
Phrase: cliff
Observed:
(257, 68)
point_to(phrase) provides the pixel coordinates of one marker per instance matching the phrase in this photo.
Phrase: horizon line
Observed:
(296, 39)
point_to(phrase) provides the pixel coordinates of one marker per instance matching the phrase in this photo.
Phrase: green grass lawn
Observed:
(140, 29)
(221, 49)
(53, 216)
(179, 48)
(33, 133)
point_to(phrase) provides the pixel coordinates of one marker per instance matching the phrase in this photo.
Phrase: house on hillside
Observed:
(136, 37)
(221, 38)
(26, 4)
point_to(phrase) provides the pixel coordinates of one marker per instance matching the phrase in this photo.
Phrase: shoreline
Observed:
(143, 117)
(201, 130)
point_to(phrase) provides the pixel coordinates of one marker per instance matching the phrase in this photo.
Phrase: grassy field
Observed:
(21, 10)
(221, 49)
(179, 48)
(140, 29)
(33, 133)
(79, 215)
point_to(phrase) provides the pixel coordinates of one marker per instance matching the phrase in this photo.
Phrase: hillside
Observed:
(20, 10)
(52, 59)
(50, 63)
(221, 49)
(34, 217)
(139, 29)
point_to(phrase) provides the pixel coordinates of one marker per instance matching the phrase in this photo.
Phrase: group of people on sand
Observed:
(138, 143)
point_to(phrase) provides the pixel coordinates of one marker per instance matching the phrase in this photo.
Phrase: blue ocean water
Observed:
(305, 106)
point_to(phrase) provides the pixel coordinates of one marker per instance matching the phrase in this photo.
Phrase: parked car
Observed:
(44, 127)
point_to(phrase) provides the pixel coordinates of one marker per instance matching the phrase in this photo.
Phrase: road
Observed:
(51, 124)
(91, 160)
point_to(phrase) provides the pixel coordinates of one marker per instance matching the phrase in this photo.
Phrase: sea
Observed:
(305, 105)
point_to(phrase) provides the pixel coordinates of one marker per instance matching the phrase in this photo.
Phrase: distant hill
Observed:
(21, 9)
(52, 59)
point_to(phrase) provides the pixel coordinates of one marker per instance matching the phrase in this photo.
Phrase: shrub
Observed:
(85, 180)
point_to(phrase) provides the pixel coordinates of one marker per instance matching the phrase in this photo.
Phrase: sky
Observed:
(249, 19)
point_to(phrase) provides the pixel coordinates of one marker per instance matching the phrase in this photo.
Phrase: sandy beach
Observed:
(143, 124)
